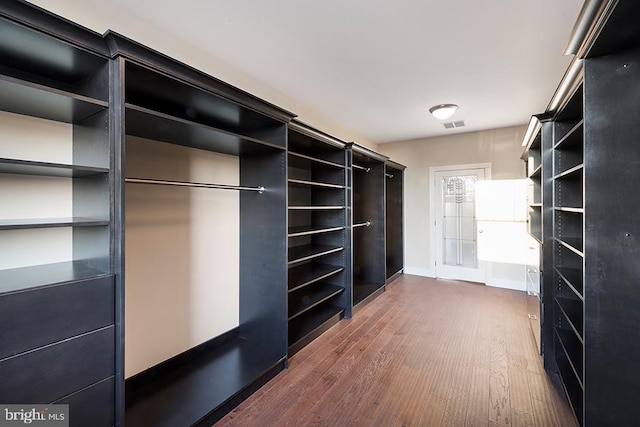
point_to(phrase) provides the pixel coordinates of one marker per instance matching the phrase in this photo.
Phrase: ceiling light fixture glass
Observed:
(443, 111)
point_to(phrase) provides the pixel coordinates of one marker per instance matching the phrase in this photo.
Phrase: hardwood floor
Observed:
(424, 353)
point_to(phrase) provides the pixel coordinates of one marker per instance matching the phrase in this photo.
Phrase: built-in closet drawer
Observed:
(34, 317)
(55, 371)
(92, 406)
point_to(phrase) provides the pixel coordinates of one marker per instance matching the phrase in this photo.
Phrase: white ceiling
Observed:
(377, 66)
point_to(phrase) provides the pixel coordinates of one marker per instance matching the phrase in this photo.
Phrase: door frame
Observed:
(432, 207)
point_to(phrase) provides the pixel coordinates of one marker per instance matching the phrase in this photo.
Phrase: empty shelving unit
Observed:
(56, 267)
(394, 221)
(367, 223)
(590, 225)
(319, 249)
(165, 101)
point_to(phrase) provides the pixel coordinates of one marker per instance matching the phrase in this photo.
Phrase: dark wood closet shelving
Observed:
(167, 108)
(369, 257)
(35, 168)
(57, 318)
(296, 278)
(394, 226)
(319, 286)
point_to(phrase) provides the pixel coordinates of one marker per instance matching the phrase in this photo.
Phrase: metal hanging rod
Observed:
(362, 224)
(361, 168)
(388, 175)
(260, 189)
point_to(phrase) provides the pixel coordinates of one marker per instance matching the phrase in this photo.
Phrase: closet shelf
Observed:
(306, 274)
(21, 224)
(313, 184)
(295, 159)
(572, 387)
(149, 124)
(315, 208)
(569, 209)
(535, 174)
(17, 279)
(572, 138)
(572, 173)
(198, 388)
(312, 320)
(309, 230)
(308, 252)
(535, 205)
(29, 167)
(32, 99)
(572, 350)
(572, 312)
(573, 244)
(573, 278)
(304, 299)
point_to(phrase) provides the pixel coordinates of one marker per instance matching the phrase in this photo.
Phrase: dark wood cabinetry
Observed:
(319, 245)
(588, 144)
(394, 219)
(301, 200)
(368, 223)
(57, 332)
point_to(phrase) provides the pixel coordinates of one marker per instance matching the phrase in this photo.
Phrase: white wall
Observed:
(29, 138)
(182, 252)
(499, 147)
(101, 16)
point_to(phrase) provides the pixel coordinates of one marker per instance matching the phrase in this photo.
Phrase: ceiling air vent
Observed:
(452, 125)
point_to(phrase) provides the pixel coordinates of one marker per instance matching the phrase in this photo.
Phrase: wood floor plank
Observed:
(426, 352)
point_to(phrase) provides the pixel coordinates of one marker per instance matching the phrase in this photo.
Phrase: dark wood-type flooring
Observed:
(424, 353)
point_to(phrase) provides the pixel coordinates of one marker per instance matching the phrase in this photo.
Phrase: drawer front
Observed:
(93, 406)
(33, 318)
(53, 372)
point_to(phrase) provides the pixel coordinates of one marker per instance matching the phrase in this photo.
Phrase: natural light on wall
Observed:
(501, 211)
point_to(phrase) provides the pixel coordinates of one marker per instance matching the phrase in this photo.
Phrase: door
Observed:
(456, 225)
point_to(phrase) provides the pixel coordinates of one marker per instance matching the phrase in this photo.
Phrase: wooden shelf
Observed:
(196, 390)
(150, 124)
(32, 99)
(28, 167)
(316, 208)
(314, 184)
(308, 252)
(302, 160)
(311, 230)
(573, 278)
(573, 244)
(568, 209)
(573, 351)
(535, 174)
(572, 173)
(30, 223)
(572, 387)
(18, 279)
(309, 297)
(306, 274)
(572, 311)
(306, 325)
(572, 139)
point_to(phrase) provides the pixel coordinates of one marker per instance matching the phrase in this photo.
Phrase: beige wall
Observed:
(499, 147)
(103, 16)
(182, 252)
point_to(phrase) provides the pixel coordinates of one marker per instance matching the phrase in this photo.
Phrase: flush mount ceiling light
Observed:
(443, 111)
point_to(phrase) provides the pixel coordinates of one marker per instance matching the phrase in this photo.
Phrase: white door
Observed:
(456, 225)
